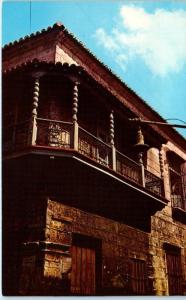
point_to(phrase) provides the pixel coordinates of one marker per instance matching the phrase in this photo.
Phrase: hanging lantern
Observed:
(140, 146)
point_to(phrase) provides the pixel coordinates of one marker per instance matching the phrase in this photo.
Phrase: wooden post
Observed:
(141, 148)
(140, 156)
(161, 164)
(34, 111)
(74, 115)
(161, 171)
(112, 140)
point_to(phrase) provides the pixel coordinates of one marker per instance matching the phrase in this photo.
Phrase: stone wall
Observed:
(31, 281)
(164, 229)
(119, 242)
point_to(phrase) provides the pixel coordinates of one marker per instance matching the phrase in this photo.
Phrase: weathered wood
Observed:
(174, 273)
(75, 101)
(74, 114)
(33, 124)
(140, 157)
(112, 140)
(83, 271)
(112, 128)
(161, 164)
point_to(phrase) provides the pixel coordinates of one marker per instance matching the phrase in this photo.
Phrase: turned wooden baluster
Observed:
(161, 170)
(142, 147)
(140, 158)
(161, 163)
(74, 114)
(34, 111)
(112, 140)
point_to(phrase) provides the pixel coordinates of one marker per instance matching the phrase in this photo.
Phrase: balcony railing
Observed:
(60, 134)
(54, 133)
(94, 148)
(178, 195)
(153, 183)
(128, 168)
(178, 201)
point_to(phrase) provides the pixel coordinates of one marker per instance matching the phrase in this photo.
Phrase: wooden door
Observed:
(138, 277)
(174, 272)
(83, 270)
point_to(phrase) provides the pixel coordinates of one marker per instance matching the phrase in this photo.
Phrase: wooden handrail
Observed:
(128, 158)
(96, 138)
(153, 175)
(56, 121)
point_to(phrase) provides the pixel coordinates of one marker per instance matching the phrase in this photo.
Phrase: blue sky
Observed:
(143, 42)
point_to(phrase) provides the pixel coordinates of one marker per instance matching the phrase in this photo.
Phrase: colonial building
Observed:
(93, 203)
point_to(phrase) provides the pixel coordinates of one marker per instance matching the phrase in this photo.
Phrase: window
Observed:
(138, 277)
(177, 176)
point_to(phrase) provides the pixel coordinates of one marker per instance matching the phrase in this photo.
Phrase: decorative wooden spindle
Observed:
(162, 172)
(74, 114)
(112, 140)
(34, 111)
(36, 97)
(161, 164)
(141, 147)
(75, 102)
(112, 128)
(140, 159)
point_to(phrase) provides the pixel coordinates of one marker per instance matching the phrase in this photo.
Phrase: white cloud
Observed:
(158, 38)
(106, 40)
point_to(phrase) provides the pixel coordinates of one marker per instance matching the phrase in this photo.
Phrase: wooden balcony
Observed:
(101, 179)
(60, 135)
